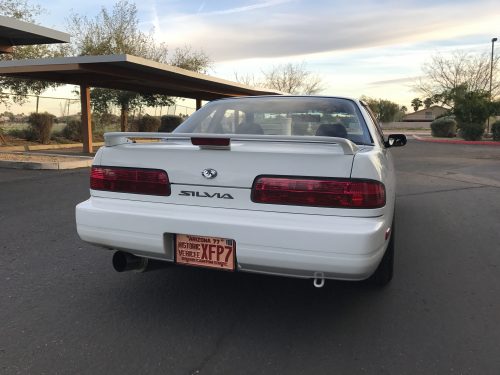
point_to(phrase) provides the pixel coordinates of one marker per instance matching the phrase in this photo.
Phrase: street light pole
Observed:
(491, 76)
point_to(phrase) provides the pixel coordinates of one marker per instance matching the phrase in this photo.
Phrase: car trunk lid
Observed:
(223, 175)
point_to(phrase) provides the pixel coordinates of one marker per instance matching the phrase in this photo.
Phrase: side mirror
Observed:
(395, 140)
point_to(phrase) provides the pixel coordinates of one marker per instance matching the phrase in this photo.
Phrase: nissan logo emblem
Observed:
(209, 173)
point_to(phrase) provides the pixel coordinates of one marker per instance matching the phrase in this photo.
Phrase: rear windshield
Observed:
(280, 115)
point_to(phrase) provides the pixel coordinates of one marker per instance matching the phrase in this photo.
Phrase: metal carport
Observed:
(125, 72)
(14, 32)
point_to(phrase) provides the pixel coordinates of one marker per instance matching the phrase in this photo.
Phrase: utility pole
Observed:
(491, 77)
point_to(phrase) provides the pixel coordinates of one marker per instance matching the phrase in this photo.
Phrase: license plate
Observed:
(202, 251)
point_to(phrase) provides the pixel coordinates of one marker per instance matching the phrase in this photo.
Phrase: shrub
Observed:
(27, 133)
(148, 123)
(471, 107)
(41, 125)
(169, 123)
(73, 130)
(132, 125)
(495, 130)
(444, 127)
(103, 122)
(472, 131)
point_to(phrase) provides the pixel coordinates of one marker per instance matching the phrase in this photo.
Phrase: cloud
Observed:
(200, 8)
(247, 8)
(276, 28)
(394, 81)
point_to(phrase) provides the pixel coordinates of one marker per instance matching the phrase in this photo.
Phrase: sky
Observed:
(362, 47)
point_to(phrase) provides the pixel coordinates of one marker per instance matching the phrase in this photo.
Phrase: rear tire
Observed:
(385, 270)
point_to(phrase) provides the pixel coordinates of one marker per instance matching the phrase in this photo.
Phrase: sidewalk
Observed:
(39, 160)
(408, 133)
(455, 141)
(52, 156)
(63, 146)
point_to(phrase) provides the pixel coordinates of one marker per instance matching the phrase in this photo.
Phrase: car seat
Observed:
(249, 128)
(332, 130)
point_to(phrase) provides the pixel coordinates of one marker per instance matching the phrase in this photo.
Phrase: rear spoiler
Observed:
(119, 138)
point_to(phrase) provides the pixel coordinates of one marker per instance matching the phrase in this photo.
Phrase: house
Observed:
(426, 114)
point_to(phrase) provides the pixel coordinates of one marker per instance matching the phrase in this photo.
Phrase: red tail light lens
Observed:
(318, 192)
(130, 180)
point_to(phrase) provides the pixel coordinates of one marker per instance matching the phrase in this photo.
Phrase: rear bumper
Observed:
(296, 245)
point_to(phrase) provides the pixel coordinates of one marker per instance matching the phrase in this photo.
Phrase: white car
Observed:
(298, 186)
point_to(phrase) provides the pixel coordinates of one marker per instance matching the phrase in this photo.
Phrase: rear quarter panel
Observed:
(375, 163)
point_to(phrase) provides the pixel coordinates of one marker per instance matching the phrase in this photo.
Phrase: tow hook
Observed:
(319, 280)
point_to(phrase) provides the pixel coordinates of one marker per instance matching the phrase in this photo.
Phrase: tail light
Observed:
(130, 180)
(211, 142)
(319, 192)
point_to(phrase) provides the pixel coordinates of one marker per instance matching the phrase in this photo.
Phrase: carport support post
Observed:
(86, 119)
(198, 104)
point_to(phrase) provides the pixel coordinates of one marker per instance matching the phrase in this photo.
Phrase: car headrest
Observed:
(249, 128)
(332, 130)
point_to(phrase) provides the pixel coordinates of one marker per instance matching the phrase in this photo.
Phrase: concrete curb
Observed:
(456, 141)
(45, 165)
(71, 163)
(46, 147)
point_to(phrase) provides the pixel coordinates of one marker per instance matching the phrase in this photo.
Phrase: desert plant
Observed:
(471, 107)
(41, 124)
(495, 130)
(169, 123)
(103, 122)
(444, 127)
(25, 133)
(472, 131)
(73, 130)
(133, 125)
(148, 123)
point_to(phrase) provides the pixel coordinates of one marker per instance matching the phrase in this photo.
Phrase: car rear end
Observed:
(284, 204)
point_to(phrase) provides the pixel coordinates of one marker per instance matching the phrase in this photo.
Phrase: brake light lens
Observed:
(319, 192)
(130, 180)
(211, 142)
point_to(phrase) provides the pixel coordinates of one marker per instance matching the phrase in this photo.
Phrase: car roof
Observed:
(288, 96)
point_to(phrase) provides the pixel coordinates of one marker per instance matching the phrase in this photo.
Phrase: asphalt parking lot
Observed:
(63, 310)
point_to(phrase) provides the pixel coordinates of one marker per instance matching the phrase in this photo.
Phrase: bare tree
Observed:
(444, 74)
(292, 78)
(247, 79)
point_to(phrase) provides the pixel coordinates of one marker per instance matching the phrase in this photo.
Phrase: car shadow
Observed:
(195, 294)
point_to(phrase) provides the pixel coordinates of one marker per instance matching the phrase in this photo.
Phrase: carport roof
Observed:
(14, 32)
(127, 72)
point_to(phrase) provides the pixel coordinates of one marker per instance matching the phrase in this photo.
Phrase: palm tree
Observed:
(416, 104)
(428, 102)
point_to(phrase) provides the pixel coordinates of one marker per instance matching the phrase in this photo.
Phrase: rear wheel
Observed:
(384, 272)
